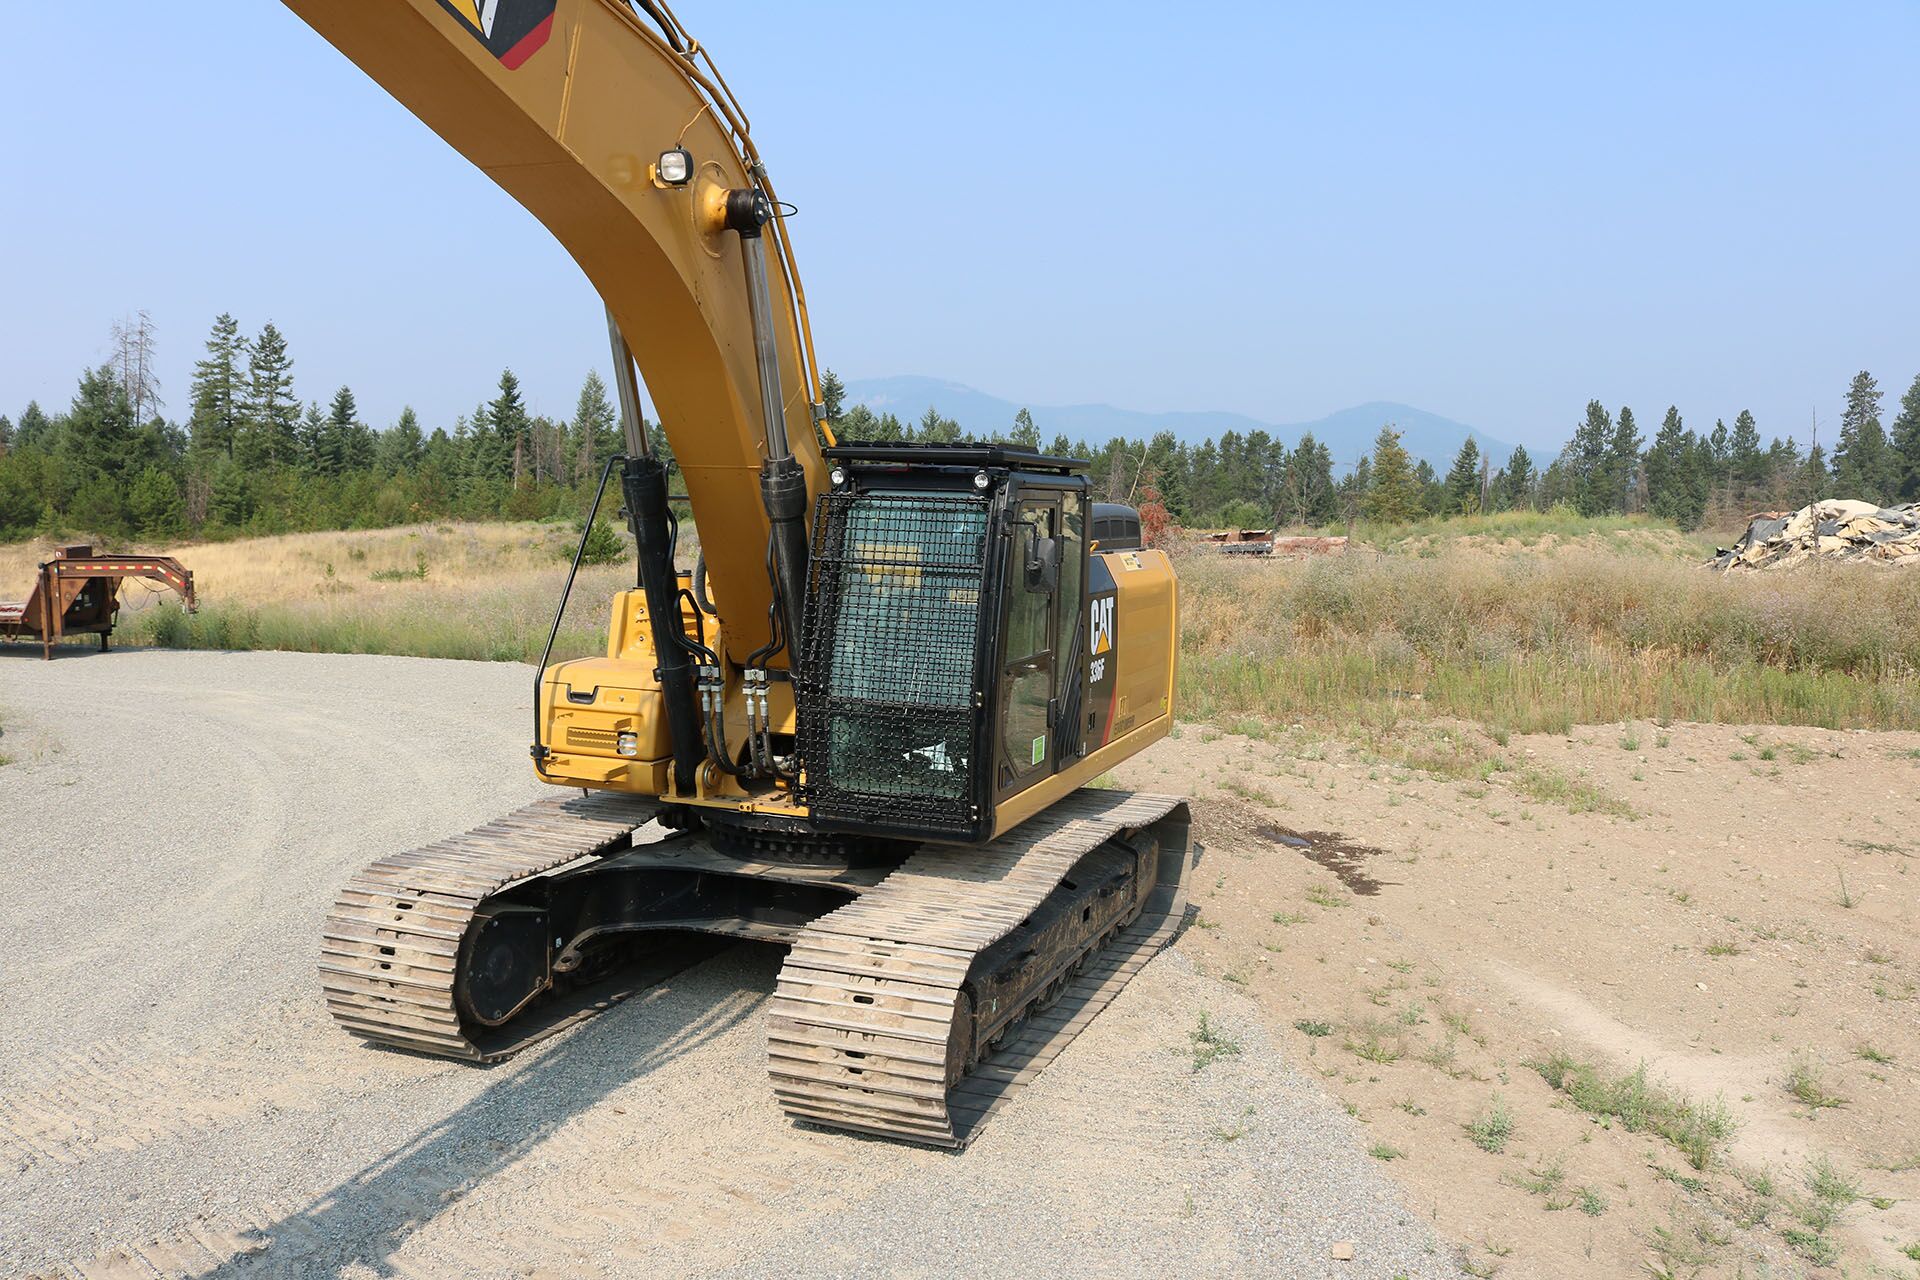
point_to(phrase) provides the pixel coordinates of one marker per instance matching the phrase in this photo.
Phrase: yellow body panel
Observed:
(1148, 621)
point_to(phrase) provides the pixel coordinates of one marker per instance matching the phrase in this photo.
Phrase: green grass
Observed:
(1640, 1106)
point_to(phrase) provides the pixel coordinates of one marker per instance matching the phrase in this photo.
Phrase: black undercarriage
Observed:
(561, 932)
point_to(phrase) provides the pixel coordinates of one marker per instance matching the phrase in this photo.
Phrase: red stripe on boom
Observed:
(527, 45)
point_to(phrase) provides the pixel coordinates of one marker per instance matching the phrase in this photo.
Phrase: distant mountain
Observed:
(1349, 433)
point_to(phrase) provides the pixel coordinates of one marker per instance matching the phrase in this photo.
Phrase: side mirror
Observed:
(1043, 565)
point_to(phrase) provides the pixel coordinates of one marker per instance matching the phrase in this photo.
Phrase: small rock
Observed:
(1342, 1251)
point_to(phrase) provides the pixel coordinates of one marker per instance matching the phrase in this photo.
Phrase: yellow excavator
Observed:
(864, 731)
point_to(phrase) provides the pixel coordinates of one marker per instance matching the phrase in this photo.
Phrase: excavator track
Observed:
(391, 944)
(863, 1033)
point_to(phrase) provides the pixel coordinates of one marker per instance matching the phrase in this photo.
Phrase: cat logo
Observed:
(512, 30)
(1102, 625)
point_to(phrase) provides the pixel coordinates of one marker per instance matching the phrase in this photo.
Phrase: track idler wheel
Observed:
(503, 964)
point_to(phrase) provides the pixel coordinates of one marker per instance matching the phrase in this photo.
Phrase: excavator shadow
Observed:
(366, 1218)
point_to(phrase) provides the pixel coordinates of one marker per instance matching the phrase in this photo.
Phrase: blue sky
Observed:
(1273, 209)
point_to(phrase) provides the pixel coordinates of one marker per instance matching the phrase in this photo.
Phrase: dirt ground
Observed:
(1733, 908)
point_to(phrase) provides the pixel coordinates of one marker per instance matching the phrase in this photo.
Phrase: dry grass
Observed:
(1524, 622)
(1542, 641)
(480, 591)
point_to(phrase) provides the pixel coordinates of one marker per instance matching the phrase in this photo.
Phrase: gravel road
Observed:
(173, 1100)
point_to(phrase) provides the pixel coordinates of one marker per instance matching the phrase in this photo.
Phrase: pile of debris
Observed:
(1831, 530)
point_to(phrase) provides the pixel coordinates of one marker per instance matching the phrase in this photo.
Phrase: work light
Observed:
(674, 167)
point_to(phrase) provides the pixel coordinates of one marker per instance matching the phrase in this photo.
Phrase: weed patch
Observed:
(1640, 1106)
(1493, 1127)
(1209, 1044)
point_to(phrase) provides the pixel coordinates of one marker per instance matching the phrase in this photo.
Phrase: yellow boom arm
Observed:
(568, 105)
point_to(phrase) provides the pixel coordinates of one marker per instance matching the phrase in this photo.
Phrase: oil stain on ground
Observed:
(1334, 852)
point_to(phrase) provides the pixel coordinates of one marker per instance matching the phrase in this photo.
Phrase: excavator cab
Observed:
(943, 671)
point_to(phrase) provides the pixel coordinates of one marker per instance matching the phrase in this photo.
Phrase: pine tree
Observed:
(1586, 461)
(833, 394)
(401, 446)
(935, 429)
(98, 438)
(1746, 465)
(594, 431)
(1310, 497)
(332, 439)
(1863, 465)
(154, 504)
(218, 389)
(34, 428)
(1699, 465)
(1433, 494)
(312, 431)
(1025, 434)
(1906, 445)
(507, 429)
(1394, 494)
(1463, 479)
(1517, 481)
(1622, 463)
(1666, 468)
(266, 435)
(1816, 480)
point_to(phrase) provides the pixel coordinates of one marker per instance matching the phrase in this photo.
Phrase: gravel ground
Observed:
(173, 1100)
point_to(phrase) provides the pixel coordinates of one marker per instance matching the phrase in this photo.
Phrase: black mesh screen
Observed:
(887, 692)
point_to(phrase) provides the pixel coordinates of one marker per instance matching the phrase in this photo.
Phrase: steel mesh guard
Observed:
(893, 632)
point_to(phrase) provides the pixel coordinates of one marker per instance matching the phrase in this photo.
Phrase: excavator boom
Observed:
(569, 105)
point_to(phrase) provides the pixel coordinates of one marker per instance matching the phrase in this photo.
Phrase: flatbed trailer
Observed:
(78, 593)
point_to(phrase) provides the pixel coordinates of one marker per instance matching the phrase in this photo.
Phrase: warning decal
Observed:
(512, 30)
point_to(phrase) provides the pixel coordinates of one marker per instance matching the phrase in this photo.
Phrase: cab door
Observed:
(1039, 727)
(1029, 648)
